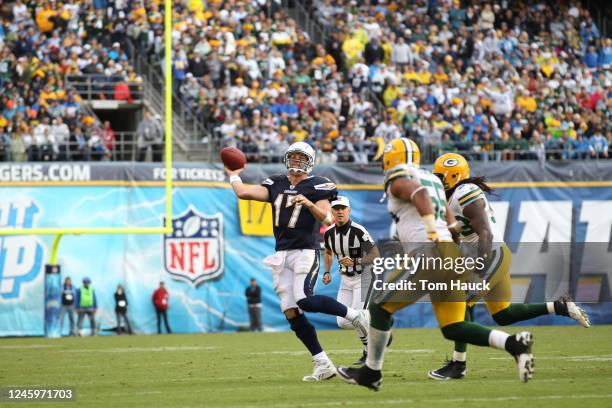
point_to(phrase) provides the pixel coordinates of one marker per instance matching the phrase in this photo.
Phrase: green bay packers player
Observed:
(478, 232)
(417, 203)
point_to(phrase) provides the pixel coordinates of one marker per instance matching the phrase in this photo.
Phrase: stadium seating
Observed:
(531, 82)
(526, 82)
(44, 46)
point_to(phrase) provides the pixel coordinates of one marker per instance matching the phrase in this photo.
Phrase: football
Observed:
(191, 226)
(233, 158)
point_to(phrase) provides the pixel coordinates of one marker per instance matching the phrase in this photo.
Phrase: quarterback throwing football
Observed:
(299, 201)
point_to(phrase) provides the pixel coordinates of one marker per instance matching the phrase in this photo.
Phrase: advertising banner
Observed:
(219, 242)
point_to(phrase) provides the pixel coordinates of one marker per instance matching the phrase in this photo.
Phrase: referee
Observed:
(348, 241)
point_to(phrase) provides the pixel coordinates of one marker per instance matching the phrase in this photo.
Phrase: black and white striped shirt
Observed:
(351, 240)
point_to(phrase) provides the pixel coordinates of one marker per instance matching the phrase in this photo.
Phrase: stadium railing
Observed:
(296, 10)
(189, 130)
(431, 153)
(126, 147)
(94, 87)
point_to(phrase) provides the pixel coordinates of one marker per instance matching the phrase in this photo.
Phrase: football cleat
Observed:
(524, 359)
(362, 359)
(565, 306)
(361, 323)
(364, 376)
(452, 370)
(323, 370)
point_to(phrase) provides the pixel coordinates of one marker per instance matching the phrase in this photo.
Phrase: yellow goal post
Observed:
(167, 227)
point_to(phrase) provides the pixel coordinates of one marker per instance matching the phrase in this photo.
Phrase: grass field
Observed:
(573, 368)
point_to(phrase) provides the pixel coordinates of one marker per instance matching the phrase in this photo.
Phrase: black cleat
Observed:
(452, 370)
(363, 376)
(521, 348)
(565, 306)
(362, 359)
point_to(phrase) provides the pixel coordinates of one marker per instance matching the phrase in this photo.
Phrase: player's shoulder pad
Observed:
(272, 179)
(401, 171)
(466, 193)
(323, 183)
(465, 188)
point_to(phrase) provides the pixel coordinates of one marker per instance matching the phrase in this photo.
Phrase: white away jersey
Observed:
(463, 196)
(410, 228)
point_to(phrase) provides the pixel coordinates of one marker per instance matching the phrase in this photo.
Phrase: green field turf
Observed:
(573, 369)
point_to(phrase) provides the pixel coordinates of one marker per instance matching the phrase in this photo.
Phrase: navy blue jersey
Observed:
(294, 226)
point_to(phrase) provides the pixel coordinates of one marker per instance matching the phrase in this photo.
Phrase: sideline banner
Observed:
(218, 243)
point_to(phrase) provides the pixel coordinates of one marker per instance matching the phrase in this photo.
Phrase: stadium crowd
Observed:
(493, 80)
(42, 44)
(505, 81)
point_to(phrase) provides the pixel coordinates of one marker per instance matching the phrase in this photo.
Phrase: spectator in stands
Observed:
(108, 138)
(97, 146)
(86, 305)
(599, 145)
(229, 131)
(248, 146)
(121, 308)
(387, 130)
(5, 147)
(79, 145)
(67, 306)
(60, 133)
(160, 301)
(149, 135)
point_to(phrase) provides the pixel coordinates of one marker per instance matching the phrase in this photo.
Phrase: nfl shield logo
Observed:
(194, 252)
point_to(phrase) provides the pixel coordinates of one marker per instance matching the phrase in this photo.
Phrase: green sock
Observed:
(379, 318)
(467, 332)
(519, 312)
(461, 347)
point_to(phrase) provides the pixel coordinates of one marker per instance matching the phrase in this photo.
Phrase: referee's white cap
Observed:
(341, 200)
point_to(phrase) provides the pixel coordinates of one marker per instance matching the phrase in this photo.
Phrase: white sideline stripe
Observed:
(604, 357)
(431, 400)
(339, 351)
(138, 349)
(417, 381)
(124, 394)
(29, 346)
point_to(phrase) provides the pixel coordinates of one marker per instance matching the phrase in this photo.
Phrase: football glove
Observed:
(429, 221)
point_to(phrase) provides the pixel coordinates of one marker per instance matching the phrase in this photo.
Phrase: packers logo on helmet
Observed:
(451, 162)
(451, 168)
(401, 151)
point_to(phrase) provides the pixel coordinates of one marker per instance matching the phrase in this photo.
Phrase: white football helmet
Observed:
(300, 166)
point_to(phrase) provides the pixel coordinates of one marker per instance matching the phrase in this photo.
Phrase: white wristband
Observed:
(234, 178)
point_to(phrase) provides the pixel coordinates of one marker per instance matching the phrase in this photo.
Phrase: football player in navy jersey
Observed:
(299, 202)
